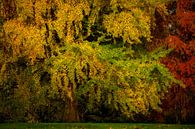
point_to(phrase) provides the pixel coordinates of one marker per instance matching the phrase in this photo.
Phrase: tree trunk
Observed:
(71, 113)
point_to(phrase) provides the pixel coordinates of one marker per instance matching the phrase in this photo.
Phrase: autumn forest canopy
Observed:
(97, 60)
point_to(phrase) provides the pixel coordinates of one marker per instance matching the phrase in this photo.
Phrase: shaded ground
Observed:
(93, 126)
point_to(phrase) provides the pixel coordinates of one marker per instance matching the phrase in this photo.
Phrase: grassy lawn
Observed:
(93, 126)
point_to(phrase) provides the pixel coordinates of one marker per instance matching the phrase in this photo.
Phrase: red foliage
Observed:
(183, 5)
(179, 103)
(187, 20)
(185, 15)
(179, 106)
(181, 61)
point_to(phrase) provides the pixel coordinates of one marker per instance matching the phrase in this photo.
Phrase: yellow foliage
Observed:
(67, 71)
(24, 40)
(55, 28)
(24, 8)
(130, 25)
(69, 17)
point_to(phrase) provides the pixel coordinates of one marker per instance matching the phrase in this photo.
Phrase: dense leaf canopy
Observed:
(66, 59)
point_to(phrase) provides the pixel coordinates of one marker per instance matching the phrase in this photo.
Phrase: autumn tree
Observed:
(178, 34)
(73, 58)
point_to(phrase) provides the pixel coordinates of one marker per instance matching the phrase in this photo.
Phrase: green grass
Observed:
(93, 126)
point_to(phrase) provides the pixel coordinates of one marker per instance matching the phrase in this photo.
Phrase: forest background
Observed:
(97, 60)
